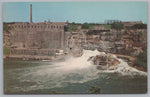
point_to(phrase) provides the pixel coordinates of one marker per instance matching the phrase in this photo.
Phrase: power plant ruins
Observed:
(42, 38)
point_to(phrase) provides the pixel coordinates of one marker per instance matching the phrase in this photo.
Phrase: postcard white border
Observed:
(80, 95)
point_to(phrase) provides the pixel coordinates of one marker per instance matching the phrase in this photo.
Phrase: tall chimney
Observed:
(30, 13)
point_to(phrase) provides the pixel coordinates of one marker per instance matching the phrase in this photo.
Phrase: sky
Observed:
(79, 12)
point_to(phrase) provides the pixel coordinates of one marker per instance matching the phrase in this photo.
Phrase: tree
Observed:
(85, 26)
(6, 28)
(139, 26)
(72, 27)
(141, 60)
(73, 23)
(117, 26)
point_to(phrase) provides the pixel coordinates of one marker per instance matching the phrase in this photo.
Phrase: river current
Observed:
(73, 75)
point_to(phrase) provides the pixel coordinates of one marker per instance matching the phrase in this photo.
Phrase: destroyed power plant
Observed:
(54, 38)
(41, 38)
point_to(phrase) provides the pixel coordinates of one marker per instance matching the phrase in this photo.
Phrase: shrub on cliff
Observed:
(141, 60)
(6, 50)
(85, 26)
(94, 90)
(72, 27)
(139, 26)
(6, 28)
(117, 26)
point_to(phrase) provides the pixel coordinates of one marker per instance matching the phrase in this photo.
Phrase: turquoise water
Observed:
(38, 77)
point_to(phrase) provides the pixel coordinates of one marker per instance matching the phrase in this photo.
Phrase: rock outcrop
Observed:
(105, 61)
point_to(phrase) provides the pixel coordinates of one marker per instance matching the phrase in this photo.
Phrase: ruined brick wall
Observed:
(38, 35)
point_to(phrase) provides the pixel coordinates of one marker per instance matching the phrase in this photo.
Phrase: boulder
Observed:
(104, 61)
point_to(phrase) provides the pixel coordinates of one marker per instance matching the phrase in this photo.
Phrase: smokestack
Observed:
(30, 13)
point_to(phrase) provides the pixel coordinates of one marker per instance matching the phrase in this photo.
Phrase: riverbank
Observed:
(130, 60)
(28, 57)
(34, 57)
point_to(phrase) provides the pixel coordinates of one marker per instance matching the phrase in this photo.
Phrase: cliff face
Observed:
(48, 38)
(126, 42)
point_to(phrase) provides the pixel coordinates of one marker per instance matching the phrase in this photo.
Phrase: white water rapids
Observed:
(72, 70)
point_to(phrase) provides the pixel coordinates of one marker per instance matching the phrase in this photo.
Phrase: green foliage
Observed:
(85, 26)
(73, 23)
(107, 26)
(117, 26)
(6, 27)
(72, 27)
(88, 26)
(94, 90)
(91, 27)
(6, 50)
(139, 26)
(141, 60)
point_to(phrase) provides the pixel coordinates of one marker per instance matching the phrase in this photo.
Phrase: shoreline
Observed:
(27, 57)
(129, 59)
(34, 57)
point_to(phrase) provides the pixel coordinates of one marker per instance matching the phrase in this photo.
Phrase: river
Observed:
(72, 76)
